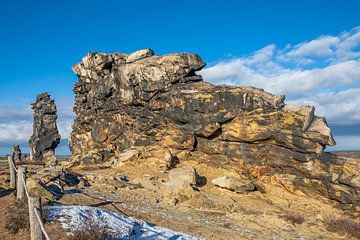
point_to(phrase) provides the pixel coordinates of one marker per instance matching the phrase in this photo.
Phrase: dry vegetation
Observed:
(28, 162)
(17, 217)
(91, 229)
(294, 219)
(3, 162)
(344, 226)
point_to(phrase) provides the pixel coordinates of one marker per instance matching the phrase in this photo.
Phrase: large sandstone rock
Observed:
(143, 99)
(45, 136)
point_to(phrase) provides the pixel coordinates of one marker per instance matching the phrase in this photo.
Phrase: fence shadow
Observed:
(5, 192)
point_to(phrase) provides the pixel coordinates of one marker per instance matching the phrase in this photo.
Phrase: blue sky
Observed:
(308, 50)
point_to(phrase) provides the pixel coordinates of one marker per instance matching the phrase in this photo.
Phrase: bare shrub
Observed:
(343, 225)
(92, 229)
(17, 217)
(294, 219)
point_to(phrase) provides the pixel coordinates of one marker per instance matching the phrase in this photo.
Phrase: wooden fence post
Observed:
(20, 189)
(35, 228)
(12, 172)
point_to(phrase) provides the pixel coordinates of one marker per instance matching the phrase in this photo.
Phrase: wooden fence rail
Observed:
(37, 229)
(21, 184)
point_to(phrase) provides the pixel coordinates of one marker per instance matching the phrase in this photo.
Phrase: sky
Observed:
(307, 50)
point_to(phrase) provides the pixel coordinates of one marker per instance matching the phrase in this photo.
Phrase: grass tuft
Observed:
(344, 226)
(17, 217)
(294, 219)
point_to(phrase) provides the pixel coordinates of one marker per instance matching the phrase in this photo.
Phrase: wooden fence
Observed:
(37, 229)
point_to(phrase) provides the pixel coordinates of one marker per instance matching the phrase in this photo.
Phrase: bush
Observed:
(343, 225)
(294, 219)
(17, 217)
(90, 229)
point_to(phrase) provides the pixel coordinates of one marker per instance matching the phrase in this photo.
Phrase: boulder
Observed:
(159, 158)
(234, 184)
(185, 174)
(181, 180)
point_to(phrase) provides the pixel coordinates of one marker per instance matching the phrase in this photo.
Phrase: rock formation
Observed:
(17, 153)
(142, 99)
(45, 136)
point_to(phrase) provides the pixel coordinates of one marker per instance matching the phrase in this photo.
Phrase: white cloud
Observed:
(64, 110)
(13, 112)
(20, 131)
(16, 122)
(324, 72)
(15, 131)
(344, 143)
(320, 47)
(341, 108)
(65, 128)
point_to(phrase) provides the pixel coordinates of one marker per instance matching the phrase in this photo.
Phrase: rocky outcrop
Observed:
(45, 136)
(142, 99)
(17, 157)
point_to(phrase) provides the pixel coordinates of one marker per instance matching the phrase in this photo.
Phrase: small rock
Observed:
(186, 174)
(159, 158)
(127, 156)
(140, 54)
(173, 201)
(183, 155)
(320, 218)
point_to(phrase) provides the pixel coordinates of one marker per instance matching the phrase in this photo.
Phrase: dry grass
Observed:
(91, 229)
(294, 219)
(91, 167)
(27, 162)
(17, 217)
(344, 226)
(3, 162)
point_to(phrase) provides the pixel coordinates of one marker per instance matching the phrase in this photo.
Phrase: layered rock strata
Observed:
(45, 136)
(142, 99)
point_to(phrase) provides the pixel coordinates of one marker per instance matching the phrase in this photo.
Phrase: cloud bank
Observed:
(324, 72)
(16, 123)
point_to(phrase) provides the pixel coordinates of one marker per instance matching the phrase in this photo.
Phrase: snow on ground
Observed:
(121, 226)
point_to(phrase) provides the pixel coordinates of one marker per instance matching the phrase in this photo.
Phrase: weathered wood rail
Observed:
(37, 229)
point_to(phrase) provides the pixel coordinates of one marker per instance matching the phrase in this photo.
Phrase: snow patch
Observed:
(121, 226)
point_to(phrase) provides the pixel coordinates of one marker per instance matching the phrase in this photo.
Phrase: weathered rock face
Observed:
(45, 136)
(17, 153)
(144, 99)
